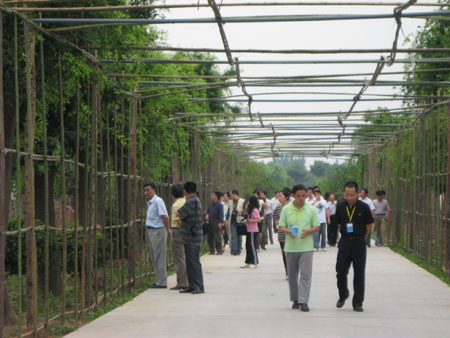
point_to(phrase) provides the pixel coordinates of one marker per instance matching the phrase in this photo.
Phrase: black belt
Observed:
(380, 214)
(351, 238)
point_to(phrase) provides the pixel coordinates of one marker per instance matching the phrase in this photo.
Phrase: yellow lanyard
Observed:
(297, 215)
(348, 213)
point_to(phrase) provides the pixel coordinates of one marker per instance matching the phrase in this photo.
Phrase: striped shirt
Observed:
(276, 216)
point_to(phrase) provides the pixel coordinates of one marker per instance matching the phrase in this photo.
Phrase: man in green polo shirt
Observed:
(299, 221)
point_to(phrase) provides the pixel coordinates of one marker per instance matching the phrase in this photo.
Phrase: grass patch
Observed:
(442, 275)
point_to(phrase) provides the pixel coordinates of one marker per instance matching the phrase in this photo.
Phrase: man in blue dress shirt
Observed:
(158, 226)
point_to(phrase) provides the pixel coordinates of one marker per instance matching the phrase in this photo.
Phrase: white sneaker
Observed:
(287, 277)
(324, 249)
(245, 266)
(253, 266)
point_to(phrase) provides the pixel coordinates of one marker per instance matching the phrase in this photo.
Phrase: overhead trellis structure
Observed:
(108, 162)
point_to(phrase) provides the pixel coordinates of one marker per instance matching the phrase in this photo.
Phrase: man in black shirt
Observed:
(354, 219)
(192, 233)
(216, 220)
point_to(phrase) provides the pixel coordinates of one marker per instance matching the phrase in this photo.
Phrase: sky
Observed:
(359, 34)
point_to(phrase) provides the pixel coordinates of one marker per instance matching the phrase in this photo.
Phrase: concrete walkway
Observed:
(402, 300)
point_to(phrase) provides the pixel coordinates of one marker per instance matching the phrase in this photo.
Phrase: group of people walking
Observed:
(303, 220)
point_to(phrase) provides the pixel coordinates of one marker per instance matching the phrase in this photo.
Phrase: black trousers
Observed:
(332, 231)
(284, 255)
(192, 245)
(250, 247)
(352, 251)
(215, 237)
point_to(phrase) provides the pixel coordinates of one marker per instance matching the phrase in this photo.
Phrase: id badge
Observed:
(349, 227)
(294, 229)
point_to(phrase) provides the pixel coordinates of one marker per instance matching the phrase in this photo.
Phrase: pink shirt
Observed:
(253, 226)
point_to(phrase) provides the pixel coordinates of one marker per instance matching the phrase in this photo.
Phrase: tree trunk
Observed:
(10, 314)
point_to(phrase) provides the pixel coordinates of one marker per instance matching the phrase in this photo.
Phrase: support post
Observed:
(132, 172)
(28, 201)
(447, 200)
(2, 186)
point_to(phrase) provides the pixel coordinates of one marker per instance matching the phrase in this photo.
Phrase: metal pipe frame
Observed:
(276, 62)
(254, 19)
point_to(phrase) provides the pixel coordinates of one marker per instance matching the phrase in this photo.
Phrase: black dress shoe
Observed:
(295, 305)
(340, 303)
(187, 290)
(178, 288)
(157, 286)
(358, 308)
(197, 291)
(304, 307)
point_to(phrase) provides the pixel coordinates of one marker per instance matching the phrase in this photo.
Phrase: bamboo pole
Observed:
(63, 192)
(92, 198)
(295, 77)
(199, 5)
(122, 233)
(96, 199)
(24, 18)
(116, 191)
(46, 188)
(132, 169)
(277, 51)
(29, 211)
(85, 217)
(3, 221)
(103, 200)
(246, 19)
(18, 177)
(110, 200)
(77, 197)
(447, 201)
(271, 62)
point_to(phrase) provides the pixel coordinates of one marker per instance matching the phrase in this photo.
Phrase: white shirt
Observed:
(225, 210)
(274, 203)
(331, 206)
(369, 202)
(269, 203)
(261, 202)
(321, 207)
(310, 201)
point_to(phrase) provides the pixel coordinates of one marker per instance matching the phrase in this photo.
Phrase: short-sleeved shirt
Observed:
(156, 209)
(321, 208)
(270, 210)
(191, 216)
(225, 211)
(362, 216)
(274, 203)
(307, 220)
(276, 217)
(369, 202)
(179, 202)
(331, 206)
(381, 207)
(253, 226)
(310, 200)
